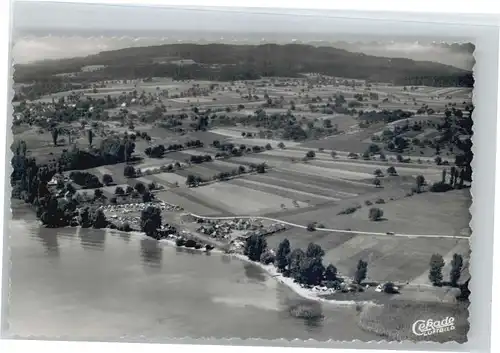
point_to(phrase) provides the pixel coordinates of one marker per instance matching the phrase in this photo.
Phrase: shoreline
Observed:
(270, 270)
(305, 293)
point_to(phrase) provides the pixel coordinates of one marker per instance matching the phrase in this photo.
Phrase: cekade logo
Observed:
(431, 327)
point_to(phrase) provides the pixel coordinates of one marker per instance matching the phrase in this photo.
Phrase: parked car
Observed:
(388, 288)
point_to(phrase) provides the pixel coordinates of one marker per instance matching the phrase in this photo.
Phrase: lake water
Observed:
(93, 284)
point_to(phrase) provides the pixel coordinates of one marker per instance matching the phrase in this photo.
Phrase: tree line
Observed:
(195, 180)
(304, 266)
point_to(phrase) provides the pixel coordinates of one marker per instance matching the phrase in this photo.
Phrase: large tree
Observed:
(361, 270)
(311, 271)
(191, 180)
(331, 273)
(420, 181)
(255, 246)
(436, 265)
(314, 250)
(55, 134)
(456, 269)
(99, 219)
(294, 262)
(90, 137)
(392, 171)
(151, 221)
(282, 254)
(107, 179)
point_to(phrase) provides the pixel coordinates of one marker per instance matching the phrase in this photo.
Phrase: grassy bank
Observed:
(394, 320)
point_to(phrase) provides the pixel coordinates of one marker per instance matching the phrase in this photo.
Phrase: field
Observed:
(396, 259)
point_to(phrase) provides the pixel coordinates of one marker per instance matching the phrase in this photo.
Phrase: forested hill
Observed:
(232, 62)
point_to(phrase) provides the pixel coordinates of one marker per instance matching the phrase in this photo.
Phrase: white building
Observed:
(55, 180)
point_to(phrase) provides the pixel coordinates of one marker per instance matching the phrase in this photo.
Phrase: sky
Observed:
(62, 30)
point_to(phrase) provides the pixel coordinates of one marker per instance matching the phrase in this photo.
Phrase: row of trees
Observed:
(130, 172)
(197, 159)
(158, 150)
(139, 188)
(231, 149)
(195, 180)
(305, 267)
(456, 180)
(436, 265)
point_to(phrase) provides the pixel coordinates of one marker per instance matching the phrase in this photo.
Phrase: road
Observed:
(334, 230)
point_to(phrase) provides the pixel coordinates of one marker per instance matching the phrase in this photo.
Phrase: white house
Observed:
(55, 179)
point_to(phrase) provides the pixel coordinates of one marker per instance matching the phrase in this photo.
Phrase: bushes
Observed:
(86, 180)
(140, 187)
(200, 159)
(348, 210)
(155, 152)
(267, 258)
(190, 243)
(180, 242)
(98, 194)
(440, 187)
(107, 179)
(375, 214)
(310, 154)
(129, 171)
(147, 197)
(392, 171)
(261, 168)
(311, 227)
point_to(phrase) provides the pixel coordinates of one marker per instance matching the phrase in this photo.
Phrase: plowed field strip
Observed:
(285, 192)
(201, 200)
(286, 181)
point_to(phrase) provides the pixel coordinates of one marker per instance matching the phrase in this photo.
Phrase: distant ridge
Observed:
(249, 62)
